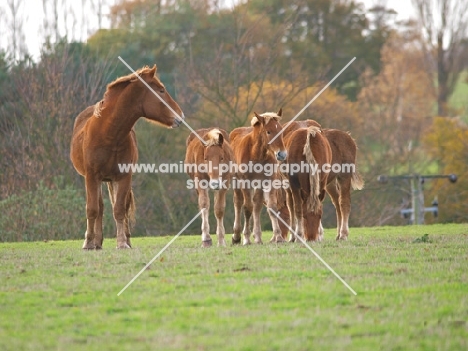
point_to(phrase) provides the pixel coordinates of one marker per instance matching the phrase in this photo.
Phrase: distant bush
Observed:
(46, 214)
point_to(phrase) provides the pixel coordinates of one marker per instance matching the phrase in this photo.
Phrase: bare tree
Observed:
(17, 41)
(98, 8)
(444, 24)
(51, 19)
(232, 79)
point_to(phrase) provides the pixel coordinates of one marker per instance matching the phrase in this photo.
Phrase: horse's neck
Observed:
(259, 147)
(116, 124)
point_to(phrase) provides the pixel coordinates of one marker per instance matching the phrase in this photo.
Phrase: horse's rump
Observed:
(344, 152)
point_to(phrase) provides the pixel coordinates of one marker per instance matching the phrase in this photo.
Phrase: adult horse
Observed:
(344, 150)
(204, 164)
(252, 145)
(104, 138)
(307, 189)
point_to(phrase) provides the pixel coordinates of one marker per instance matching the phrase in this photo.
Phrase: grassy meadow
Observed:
(411, 284)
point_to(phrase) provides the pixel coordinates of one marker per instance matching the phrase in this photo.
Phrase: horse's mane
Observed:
(313, 200)
(98, 109)
(128, 78)
(213, 137)
(268, 116)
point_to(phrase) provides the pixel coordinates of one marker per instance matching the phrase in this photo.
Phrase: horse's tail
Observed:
(130, 206)
(110, 187)
(356, 181)
(313, 201)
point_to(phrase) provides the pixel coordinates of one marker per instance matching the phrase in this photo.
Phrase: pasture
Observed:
(412, 294)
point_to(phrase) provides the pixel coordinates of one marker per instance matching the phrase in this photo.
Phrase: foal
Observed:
(344, 150)
(251, 144)
(215, 155)
(307, 190)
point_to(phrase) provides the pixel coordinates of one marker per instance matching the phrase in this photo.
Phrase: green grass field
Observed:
(412, 294)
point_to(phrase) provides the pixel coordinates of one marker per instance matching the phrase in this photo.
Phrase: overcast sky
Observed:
(32, 13)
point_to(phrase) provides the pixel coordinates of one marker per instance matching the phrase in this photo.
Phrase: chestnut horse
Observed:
(339, 185)
(104, 138)
(307, 189)
(215, 155)
(251, 144)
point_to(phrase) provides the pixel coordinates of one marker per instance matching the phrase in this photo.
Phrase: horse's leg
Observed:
(345, 207)
(219, 206)
(321, 232)
(122, 190)
(335, 198)
(130, 208)
(248, 208)
(92, 211)
(204, 203)
(238, 202)
(98, 223)
(257, 210)
(284, 215)
(292, 216)
(271, 200)
(298, 212)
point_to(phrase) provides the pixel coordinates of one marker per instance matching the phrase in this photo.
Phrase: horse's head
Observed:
(158, 105)
(267, 126)
(214, 156)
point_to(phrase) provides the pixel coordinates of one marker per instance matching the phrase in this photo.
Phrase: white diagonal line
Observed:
(164, 102)
(312, 250)
(311, 101)
(160, 252)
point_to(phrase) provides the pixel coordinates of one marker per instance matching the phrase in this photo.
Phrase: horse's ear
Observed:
(220, 139)
(257, 119)
(153, 71)
(280, 112)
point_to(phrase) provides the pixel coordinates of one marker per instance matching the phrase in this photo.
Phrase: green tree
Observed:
(323, 36)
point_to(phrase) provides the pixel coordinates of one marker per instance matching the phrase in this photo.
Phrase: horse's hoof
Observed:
(222, 243)
(98, 247)
(339, 237)
(207, 243)
(123, 246)
(280, 240)
(235, 241)
(245, 243)
(89, 245)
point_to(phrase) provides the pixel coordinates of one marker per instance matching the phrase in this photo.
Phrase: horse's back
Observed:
(238, 133)
(343, 146)
(295, 125)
